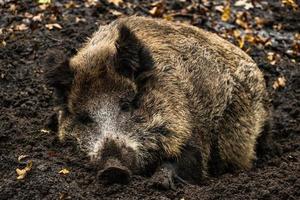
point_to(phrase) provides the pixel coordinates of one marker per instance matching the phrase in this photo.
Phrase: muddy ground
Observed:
(28, 30)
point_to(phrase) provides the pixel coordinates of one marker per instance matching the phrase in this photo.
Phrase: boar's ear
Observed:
(58, 74)
(132, 57)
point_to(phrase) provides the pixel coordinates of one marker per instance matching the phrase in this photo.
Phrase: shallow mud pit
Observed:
(26, 103)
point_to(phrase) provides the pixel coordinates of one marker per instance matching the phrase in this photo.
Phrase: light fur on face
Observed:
(109, 122)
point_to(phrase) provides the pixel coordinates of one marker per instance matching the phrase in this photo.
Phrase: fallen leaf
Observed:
(3, 43)
(220, 8)
(272, 57)
(21, 27)
(71, 4)
(116, 13)
(158, 9)
(45, 131)
(116, 2)
(38, 17)
(278, 27)
(250, 38)
(168, 17)
(22, 157)
(23, 172)
(244, 3)
(241, 19)
(44, 1)
(290, 3)
(279, 83)
(260, 22)
(64, 171)
(241, 42)
(52, 26)
(12, 7)
(226, 13)
(28, 15)
(89, 3)
(43, 6)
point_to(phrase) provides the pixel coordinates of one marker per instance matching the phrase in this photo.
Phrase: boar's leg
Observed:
(185, 169)
(166, 176)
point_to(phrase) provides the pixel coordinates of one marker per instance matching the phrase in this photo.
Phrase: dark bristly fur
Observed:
(167, 92)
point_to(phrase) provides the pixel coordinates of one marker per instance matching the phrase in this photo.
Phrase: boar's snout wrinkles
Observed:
(144, 92)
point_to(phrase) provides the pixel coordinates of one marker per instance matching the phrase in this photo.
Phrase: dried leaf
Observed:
(23, 172)
(21, 27)
(220, 8)
(236, 33)
(241, 19)
(44, 1)
(290, 3)
(52, 26)
(158, 9)
(71, 4)
(12, 7)
(244, 3)
(116, 2)
(241, 42)
(250, 38)
(43, 6)
(115, 12)
(89, 3)
(22, 157)
(28, 15)
(241, 23)
(38, 17)
(279, 83)
(78, 19)
(272, 57)
(260, 22)
(168, 17)
(64, 171)
(226, 13)
(3, 43)
(45, 131)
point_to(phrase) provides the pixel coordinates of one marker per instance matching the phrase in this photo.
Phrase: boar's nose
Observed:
(114, 172)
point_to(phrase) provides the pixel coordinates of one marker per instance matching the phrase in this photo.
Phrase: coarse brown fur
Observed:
(193, 97)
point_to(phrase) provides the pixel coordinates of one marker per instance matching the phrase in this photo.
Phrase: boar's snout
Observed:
(116, 162)
(114, 172)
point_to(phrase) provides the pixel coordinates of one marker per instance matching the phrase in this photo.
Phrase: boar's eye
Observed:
(84, 118)
(125, 106)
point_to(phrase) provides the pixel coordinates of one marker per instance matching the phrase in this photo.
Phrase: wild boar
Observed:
(148, 96)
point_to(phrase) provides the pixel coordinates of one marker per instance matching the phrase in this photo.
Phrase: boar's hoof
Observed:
(114, 172)
(164, 178)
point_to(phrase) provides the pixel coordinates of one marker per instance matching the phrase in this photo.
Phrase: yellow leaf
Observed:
(226, 13)
(168, 17)
(241, 23)
(44, 1)
(241, 42)
(23, 172)
(250, 38)
(290, 3)
(64, 171)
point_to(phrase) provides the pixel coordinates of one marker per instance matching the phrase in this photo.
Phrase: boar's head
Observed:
(99, 92)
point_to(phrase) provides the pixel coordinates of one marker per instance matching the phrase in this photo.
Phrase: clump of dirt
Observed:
(267, 30)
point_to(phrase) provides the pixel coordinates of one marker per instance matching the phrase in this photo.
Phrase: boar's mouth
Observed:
(116, 163)
(114, 172)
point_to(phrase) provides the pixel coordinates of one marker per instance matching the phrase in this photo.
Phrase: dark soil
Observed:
(26, 104)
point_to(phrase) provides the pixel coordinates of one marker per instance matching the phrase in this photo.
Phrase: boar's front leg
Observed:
(166, 176)
(185, 169)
